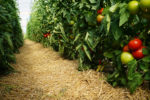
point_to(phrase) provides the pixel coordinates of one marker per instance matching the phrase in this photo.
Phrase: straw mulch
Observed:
(42, 74)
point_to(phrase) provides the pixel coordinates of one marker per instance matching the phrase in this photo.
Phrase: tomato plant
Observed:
(93, 37)
(11, 37)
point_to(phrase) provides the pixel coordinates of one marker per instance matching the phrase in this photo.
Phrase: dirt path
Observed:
(44, 75)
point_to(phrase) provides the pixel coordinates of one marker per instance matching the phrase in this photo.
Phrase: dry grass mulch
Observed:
(42, 74)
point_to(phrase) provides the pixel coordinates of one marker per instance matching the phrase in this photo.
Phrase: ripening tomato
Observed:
(126, 57)
(126, 48)
(133, 7)
(100, 18)
(135, 44)
(138, 54)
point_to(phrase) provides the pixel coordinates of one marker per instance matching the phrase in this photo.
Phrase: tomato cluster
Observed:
(100, 16)
(135, 47)
(140, 7)
(46, 35)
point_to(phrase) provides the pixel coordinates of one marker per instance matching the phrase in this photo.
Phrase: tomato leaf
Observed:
(108, 55)
(108, 20)
(87, 52)
(132, 65)
(135, 82)
(117, 32)
(147, 76)
(145, 51)
(124, 15)
(146, 59)
(93, 1)
(113, 8)
(144, 66)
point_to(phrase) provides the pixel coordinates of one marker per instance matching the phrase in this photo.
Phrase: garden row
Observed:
(95, 32)
(11, 37)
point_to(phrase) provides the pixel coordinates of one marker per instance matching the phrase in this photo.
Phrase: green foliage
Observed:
(11, 37)
(90, 41)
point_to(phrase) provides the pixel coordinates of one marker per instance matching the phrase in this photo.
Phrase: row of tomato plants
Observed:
(11, 37)
(95, 32)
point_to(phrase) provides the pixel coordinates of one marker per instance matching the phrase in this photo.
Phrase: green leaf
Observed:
(144, 66)
(108, 55)
(135, 82)
(113, 8)
(117, 32)
(123, 80)
(124, 15)
(132, 65)
(117, 52)
(78, 46)
(145, 51)
(76, 38)
(93, 1)
(108, 20)
(124, 18)
(1, 46)
(147, 76)
(146, 59)
(8, 39)
(87, 52)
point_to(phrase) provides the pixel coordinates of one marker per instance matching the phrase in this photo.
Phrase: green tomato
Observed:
(145, 5)
(126, 57)
(133, 7)
(71, 22)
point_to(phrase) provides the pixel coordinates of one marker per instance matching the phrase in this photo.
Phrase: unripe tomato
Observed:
(71, 22)
(100, 18)
(126, 48)
(126, 57)
(133, 7)
(138, 54)
(135, 44)
(145, 5)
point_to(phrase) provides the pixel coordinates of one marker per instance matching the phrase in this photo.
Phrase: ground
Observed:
(42, 74)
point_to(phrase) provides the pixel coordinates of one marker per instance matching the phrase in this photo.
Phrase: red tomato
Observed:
(138, 54)
(100, 11)
(126, 48)
(135, 44)
(45, 35)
